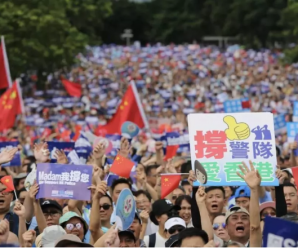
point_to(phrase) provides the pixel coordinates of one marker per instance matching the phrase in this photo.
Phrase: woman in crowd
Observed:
(184, 202)
(72, 223)
(219, 227)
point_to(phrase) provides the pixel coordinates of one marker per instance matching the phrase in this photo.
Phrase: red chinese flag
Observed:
(169, 182)
(11, 104)
(5, 80)
(170, 152)
(122, 166)
(245, 104)
(46, 132)
(295, 174)
(73, 89)
(65, 135)
(78, 129)
(8, 182)
(130, 109)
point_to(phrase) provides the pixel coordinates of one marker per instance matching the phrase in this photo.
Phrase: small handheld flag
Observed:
(122, 166)
(8, 182)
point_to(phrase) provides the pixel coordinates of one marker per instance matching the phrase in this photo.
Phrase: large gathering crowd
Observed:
(172, 81)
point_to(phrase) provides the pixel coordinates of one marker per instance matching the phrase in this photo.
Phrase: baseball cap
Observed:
(242, 191)
(128, 233)
(161, 207)
(21, 176)
(174, 221)
(70, 239)
(235, 209)
(269, 204)
(49, 235)
(69, 215)
(172, 240)
(50, 203)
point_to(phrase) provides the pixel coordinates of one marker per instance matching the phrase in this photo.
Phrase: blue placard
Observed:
(280, 233)
(235, 106)
(175, 138)
(16, 161)
(64, 181)
(125, 209)
(115, 139)
(83, 148)
(65, 146)
(292, 130)
(296, 150)
(280, 123)
(295, 110)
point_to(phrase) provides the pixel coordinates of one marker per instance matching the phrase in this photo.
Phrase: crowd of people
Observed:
(172, 82)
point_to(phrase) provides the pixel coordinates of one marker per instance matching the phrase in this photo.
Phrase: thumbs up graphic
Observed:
(236, 131)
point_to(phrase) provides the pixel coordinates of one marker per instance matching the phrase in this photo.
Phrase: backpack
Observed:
(152, 240)
(11, 222)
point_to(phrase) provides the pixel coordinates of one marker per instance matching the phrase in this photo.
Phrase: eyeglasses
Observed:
(178, 229)
(142, 202)
(216, 225)
(174, 197)
(5, 193)
(52, 214)
(71, 226)
(104, 206)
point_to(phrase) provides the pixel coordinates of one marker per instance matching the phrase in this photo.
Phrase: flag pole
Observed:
(6, 64)
(20, 95)
(15, 194)
(139, 103)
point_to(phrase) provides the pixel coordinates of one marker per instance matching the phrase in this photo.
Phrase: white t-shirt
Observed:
(151, 228)
(160, 241)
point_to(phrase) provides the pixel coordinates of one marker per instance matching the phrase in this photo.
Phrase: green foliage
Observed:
(178, 21)
(127, 15)
(43, 35)
(88, 16)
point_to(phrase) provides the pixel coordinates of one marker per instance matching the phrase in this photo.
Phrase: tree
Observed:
(178, 21)
(39, 35)
(254, 20)
(127, 15)
(88, 17)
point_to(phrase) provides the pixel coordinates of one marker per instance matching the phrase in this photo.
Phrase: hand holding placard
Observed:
(7, 155)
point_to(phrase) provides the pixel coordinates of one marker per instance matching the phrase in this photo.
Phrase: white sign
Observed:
(220, 142)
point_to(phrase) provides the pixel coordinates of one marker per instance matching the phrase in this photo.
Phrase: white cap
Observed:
(174, 221)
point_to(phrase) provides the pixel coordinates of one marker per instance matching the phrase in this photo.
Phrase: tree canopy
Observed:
(45, 35)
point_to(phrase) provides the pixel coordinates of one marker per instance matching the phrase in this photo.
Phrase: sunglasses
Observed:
(104, 206)
(216, 225)
(172, 230)
(71, 226)
(52, 214)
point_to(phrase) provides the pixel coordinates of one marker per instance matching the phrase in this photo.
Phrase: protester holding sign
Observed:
(100, 175)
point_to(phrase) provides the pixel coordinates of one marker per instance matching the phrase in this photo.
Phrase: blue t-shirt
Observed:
(86, 217)
(267, 197)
